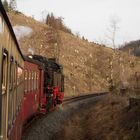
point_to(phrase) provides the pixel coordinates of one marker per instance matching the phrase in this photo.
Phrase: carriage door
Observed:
(4, 93)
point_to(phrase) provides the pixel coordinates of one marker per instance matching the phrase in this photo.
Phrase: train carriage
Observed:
(11, 80)
(53, 82)
(28, 85)
(34, 87)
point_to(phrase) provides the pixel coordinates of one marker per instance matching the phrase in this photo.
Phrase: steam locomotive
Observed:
(28, 84)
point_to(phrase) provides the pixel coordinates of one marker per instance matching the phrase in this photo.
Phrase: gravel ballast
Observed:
(47, 126)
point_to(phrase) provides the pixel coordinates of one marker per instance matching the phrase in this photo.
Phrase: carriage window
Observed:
(4, 71)
(54, 79)
(26, 79)
(15, 73)
(29, 81)
(37, 78)
(62, 84)
(11, 73)
(1, 25)
(4, 90)
(32, 80)
(19, 75)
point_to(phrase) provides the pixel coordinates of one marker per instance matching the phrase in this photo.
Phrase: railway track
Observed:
(82, 97)
(65, 102)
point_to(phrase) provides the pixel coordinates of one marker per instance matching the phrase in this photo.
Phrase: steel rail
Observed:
(82, 97)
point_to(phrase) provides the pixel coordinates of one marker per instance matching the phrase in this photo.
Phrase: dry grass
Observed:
(110, 119)
(75, 57)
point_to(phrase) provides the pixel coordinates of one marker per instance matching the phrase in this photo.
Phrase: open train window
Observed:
(4, 71)
(1, 25)
(19, 75)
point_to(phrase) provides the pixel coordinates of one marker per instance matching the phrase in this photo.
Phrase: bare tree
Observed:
(12, 5)
(111, 36)
(112, 30)
(44, 14)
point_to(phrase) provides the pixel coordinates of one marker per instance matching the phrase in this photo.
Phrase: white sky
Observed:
(90, 17)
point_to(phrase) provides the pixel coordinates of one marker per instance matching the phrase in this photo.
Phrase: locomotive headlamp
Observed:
(30, 56)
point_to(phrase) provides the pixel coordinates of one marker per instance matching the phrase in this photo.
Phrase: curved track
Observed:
(66, 101)
(44, 127)
(82, 97)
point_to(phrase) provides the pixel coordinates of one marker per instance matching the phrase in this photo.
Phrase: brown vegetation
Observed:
(110, 119)
(132, 47)
(86, 65)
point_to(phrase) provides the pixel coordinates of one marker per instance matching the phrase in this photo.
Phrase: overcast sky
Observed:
(90, 18)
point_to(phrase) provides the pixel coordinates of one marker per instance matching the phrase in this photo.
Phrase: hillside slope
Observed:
(133, 47)
(86, 65)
